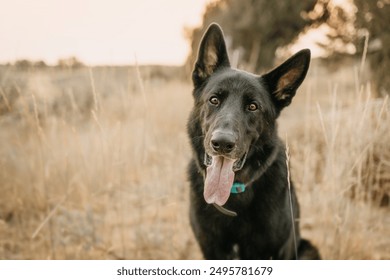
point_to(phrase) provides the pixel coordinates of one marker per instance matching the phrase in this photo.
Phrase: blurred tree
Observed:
(23, 64)
(70, 62)
(258, 27)
(40, 64)
(340, 28)
(373, 20)
(366, 26)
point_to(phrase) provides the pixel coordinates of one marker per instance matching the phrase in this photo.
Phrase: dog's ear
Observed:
(212, 54)
(285, 79)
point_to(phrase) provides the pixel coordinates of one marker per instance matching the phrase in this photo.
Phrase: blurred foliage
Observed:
(25, 64)
(70, 62)
(341, 29)
(367, 29)
(373, 19)
(257, 28)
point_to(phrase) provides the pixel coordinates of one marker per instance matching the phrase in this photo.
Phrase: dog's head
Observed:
(237, 109)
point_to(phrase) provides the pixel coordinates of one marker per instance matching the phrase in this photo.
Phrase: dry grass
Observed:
(341, 166)
(92, 165)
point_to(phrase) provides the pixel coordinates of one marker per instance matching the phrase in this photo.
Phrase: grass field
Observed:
(93, 162)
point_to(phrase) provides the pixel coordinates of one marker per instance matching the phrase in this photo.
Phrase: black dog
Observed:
(239, 162)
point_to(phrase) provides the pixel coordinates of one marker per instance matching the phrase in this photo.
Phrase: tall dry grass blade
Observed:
(141, 83)
(381, 112)
(366, 107)
(145, 112)
(5, 99)
(37, 121)
(94, 93)
(334, 116)
(322, 123)
(364, 55)
(48, 217)
(287, 151)
(96, 119)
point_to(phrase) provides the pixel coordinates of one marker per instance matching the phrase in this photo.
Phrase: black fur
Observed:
(238, 111)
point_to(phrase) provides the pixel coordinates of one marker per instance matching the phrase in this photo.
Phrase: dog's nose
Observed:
(223, 143)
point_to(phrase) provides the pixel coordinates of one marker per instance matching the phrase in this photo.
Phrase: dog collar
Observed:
(238, 187)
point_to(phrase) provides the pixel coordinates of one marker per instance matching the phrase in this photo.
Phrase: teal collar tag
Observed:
(237, 188)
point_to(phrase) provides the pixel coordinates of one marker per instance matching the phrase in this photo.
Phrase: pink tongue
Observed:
(219, 180)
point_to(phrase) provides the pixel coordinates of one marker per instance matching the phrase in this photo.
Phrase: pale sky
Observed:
(97, 31)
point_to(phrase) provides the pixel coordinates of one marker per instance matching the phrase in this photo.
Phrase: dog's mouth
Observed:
(220, 177)
(238, 164)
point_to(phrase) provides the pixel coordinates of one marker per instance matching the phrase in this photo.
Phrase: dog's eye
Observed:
(214, 100)
(253, 107)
